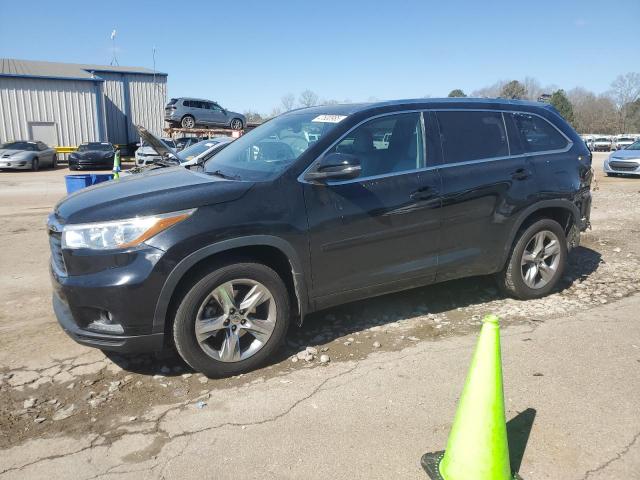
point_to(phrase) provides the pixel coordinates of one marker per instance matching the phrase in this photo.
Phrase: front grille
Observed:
(55, 242)
(624, 166)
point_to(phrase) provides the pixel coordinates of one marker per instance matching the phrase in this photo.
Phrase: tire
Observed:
(609, 174)
(207, 356)
(188, 122)
(236, 124)
(512, 280)
(35, 164)
(54, 161)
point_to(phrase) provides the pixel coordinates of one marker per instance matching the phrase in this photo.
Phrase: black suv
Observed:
(314, 208)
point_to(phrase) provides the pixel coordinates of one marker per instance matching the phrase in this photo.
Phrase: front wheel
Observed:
(536, 262)
(54, 161)
(35, 165)
(232, 320)
(236, 124)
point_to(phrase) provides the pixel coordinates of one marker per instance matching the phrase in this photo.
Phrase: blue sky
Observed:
(249, 56)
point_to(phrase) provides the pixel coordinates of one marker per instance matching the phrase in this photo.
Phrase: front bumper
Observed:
(91, 164)
(117, 343)
(6, 163)
(121, 288)
(622, 167)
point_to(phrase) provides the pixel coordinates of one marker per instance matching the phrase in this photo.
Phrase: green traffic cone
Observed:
(477, 448)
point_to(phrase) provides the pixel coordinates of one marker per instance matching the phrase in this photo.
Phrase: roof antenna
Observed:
(114, 60)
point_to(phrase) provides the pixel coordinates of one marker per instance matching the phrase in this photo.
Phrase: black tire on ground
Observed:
(188, 122)
(236, 124)
(35, 164)
(184, 322)
(510, 280)
(54, 163)
(609, 174)
(72, 168)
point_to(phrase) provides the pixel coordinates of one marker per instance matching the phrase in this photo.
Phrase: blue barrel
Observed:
(76, 182)
(100, 177)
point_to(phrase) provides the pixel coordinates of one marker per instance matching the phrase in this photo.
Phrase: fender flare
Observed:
(526, 213)
(179, 271)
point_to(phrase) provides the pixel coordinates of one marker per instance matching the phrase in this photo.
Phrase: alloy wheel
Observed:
(540, 259)
(235, 320)
(236, 124)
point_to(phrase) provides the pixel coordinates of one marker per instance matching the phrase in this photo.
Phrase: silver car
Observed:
(27, 155)
(624, 162)
(190, 112)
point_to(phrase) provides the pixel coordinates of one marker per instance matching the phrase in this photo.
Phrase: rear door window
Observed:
(472, 135)
(537, 134)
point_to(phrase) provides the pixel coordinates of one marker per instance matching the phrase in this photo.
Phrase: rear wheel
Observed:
(188, 122)
(232, 320)
(35, 164)
(236, 124)
(536, 262)
(54, 161)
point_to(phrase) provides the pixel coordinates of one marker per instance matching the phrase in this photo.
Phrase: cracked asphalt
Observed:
(398, 362)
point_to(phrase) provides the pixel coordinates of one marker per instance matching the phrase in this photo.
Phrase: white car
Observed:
(146, 154)
(624, 162)
(601, 144)
(622, 142)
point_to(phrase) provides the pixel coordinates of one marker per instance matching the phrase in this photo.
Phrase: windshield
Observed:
(602, 140)
(634, 146)
(103, 147)
(196, 149)
(625, 139)
(270, 148)
(20, 146)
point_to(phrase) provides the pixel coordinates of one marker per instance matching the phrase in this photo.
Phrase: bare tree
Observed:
(533, 88)
(329, 101)
(592, 113)
(514, 90)
(308, 98)
(625, 90)
(491, 91)
(288, 101)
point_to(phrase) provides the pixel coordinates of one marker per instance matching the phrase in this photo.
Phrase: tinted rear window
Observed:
(470, 136)
(536, 134)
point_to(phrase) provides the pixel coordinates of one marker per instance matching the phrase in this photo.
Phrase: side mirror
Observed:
(335, 166)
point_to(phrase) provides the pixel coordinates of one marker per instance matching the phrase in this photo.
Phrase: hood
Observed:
(7, 152)
(626, 154)
(155, 143)
(157, 191)
(92, 155)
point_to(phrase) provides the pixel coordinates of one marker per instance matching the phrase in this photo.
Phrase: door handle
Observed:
(521, 174)
(424, 193)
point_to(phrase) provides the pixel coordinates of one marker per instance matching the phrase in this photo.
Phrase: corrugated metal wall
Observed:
(148, 98)
(133, 99)
(72, 105)
(115, 107)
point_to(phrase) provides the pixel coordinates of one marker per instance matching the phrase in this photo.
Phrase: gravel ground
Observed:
(49, 385)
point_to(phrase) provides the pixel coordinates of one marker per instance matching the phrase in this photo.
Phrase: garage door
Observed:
(45, 132)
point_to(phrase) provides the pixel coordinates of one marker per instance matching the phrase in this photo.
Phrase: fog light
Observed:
(105, 324)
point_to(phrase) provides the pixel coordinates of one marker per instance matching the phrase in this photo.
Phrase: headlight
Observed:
(119, 233)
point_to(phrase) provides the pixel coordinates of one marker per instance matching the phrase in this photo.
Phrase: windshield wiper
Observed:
(220, 174)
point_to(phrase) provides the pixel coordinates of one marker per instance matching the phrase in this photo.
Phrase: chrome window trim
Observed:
(422, 111)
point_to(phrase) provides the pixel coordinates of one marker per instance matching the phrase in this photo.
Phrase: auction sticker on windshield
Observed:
(329, 118)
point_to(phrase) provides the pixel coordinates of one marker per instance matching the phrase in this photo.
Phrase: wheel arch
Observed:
(271, 251)
(562, 211)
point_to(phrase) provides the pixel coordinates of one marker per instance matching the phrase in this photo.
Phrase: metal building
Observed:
(65, 104)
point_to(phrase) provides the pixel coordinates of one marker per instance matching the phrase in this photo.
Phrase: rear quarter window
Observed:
(475, 135)
(535, 134)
